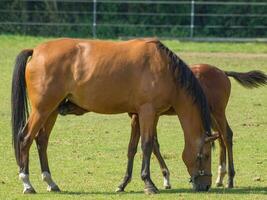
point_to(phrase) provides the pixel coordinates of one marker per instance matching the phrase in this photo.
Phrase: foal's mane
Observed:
(186, 79)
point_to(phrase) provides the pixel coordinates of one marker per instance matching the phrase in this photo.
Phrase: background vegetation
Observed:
(75, 19)
(87, 154)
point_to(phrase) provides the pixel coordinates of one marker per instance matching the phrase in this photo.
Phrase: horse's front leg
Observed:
(132, 148)
(148, 122)
(42, 143)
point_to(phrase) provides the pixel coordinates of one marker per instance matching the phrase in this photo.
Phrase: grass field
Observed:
(87, 154)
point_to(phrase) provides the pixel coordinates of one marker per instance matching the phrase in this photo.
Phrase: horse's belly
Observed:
(103, 98)
(106, 106)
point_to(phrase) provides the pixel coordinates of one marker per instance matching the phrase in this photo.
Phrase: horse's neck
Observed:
(189, 117)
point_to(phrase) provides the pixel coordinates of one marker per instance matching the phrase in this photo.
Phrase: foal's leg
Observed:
(219, 124)
(42, 143)
(147, 121)
(132, 148)
(227, 135)
(231, 169)
(32, 127)
(164, 169)
(222, 163)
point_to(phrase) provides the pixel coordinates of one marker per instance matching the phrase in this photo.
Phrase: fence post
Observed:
(192, 18)
(94, 18)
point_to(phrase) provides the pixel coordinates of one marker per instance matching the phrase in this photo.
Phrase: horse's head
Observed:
(197, 158)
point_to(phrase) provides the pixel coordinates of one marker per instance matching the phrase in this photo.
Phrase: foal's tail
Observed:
(19, 105)
(251, 79)
(187, 80)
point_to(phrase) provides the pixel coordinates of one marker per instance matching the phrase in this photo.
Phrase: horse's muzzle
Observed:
(201, 187)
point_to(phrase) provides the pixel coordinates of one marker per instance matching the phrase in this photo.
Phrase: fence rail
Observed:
(97, 18)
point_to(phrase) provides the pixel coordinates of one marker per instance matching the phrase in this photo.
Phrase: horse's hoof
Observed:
(151, 190)
(119, 190)
(167, 187)
(219, 184)
(29, 191)
(53, 189)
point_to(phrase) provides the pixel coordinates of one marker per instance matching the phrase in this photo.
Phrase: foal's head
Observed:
(197, 158)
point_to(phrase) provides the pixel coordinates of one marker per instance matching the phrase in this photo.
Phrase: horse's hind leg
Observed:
(132, 148)
(231, 169)
(164, 169)
(32, 127)
(42, 143)
(43, 104)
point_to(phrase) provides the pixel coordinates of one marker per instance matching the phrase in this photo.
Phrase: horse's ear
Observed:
(212, 138)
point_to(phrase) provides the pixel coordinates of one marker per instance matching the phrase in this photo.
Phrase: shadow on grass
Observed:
(99, 192)
(241, 190)
(238, 190)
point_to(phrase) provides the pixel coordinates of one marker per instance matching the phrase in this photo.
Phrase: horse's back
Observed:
(100, 51)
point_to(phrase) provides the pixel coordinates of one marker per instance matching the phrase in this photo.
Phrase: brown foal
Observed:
(217, 88)
(139, 76)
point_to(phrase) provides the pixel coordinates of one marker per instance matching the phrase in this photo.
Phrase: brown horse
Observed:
(217, 88)
(139, 76)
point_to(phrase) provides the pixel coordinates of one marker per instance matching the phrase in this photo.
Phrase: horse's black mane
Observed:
(186, 79)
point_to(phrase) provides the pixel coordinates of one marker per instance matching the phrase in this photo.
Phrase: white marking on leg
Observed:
(46, 176)
(221, 174)
(166, 181)
(26, 181)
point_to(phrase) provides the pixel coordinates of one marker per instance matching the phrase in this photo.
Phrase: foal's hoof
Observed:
(119, 189)
(230, 185)
(29, 191)
(53, 189)
(219, 184)
(151, 190)
(167, 187)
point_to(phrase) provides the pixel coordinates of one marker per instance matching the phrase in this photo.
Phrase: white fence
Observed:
(191, 13)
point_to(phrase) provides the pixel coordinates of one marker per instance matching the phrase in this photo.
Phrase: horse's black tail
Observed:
(186, 79)
(251, 79)
(19, 105)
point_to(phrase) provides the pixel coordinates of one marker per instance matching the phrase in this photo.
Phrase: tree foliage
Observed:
(70, 18)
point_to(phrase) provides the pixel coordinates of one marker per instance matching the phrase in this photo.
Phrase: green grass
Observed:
(217, 47)
(87, 154)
